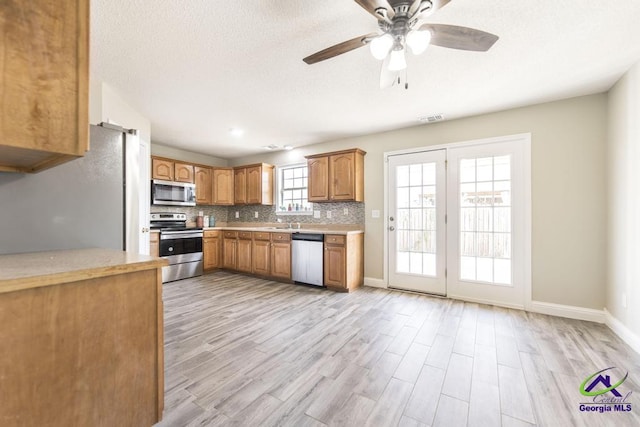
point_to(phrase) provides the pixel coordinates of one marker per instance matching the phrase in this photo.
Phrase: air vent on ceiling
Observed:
(431, 119)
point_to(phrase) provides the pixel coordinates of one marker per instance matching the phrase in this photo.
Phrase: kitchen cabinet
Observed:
(161, 169)
(44, 79)
(318, 181)
(82, 339)
(343, 261)
(183, 172)
(254, 184)
(243, 260)
(171, 170)
(281, 256)
(204, 192)
(337, 176)
(229, 249)
(212, 248)
(239, 186)
(154, 244)
(261, 254)
(223, 186)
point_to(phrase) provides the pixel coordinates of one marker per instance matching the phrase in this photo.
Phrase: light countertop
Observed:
(344, 229)
(38, 269)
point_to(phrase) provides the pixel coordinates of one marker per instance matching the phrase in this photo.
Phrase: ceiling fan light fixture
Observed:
(418, 41)
(397, 61)
(381, 45)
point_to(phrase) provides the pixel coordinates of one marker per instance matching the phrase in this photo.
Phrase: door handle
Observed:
(392, 228)
(391, 218)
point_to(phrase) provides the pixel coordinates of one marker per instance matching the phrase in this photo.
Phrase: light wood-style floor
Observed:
(250, 352)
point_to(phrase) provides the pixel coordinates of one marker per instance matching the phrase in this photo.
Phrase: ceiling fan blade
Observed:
(387, 78)
(371, 6)
(463, 38)
(339, 49)
(437, 4)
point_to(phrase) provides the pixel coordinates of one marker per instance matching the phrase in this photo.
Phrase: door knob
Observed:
(392, 228)
(391, 218)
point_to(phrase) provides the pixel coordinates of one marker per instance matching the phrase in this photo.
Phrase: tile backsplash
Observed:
(355, 213)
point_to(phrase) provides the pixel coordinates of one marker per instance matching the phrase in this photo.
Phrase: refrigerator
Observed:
(85, 203)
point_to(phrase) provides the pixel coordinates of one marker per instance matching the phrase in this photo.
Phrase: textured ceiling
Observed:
(198, 68)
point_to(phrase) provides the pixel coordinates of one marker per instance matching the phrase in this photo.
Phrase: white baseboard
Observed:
(375, 283)
(622, 331)
(485, 301)
(568, 311)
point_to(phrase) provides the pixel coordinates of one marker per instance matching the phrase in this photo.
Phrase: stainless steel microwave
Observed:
(172, 193)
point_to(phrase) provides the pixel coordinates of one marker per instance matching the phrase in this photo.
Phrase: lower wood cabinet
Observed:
(243, 261)
(261, 256)
(212, 248)
(229, 249)
(343, 261)
(154, 244)
(281, 256)
(269, 255)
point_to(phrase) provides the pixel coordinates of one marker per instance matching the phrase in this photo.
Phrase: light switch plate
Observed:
(316, 214)
(237, 214)
(328, 214)
(256, 214)
(375, 213)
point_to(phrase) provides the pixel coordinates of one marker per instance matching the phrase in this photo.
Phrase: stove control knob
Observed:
(170, 248)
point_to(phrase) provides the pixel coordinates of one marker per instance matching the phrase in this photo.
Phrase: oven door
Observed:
(173, 193)
(181, 246)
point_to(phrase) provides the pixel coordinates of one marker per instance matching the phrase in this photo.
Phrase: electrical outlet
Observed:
(316, 214)
(237, 214)
(346, 211)
(375, 213)
(624, 300)
(329, 214)
(256, 214)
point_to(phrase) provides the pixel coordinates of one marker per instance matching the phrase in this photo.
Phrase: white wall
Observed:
(107, 105)
(623, 155)
(186, 156)
(568, 188)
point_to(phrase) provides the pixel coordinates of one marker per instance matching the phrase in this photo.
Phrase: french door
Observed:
(458, 219)
(416, 222)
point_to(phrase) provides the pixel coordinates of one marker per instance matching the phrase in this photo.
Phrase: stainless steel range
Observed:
(180, 245)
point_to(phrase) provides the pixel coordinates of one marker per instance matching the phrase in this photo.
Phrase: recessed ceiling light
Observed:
(288, 147)
(236, 132)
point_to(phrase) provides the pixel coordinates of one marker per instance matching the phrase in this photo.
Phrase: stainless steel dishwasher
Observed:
(307, 258)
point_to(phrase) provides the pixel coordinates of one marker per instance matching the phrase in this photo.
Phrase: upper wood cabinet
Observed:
(203, 182)
(254, 184)
(318, 186)
(183, 172)
(336, 176)
(171, 170)
(240, 186)
(223, 186)
(161, 169)
(44, 110)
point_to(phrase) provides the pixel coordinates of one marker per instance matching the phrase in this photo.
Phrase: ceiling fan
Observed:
(399, 21)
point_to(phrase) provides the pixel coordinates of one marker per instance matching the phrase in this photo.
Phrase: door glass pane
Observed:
(485, 220)
(416, 219)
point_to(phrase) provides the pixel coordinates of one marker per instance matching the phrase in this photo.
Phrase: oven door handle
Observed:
(164, 235)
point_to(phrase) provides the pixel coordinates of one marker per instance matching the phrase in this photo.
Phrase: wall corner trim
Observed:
(568, 311)
(626, 334)
(375, 283)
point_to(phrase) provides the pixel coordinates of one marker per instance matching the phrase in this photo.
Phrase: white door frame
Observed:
(525, 138)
